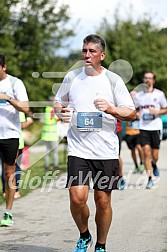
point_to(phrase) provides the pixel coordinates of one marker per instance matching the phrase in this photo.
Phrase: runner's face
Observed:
(92, 56)
(149, 79)
(2, 72)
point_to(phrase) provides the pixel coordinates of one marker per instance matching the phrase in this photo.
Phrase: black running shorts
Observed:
(103, 173)
(151, 138)
(132, 140)
(8, 150)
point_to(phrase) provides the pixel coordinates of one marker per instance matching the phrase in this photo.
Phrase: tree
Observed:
(34, 35)
(7, 45)
(142, 44)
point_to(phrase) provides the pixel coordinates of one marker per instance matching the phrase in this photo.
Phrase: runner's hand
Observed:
(101, 104)
(66, 114)
(153, 111)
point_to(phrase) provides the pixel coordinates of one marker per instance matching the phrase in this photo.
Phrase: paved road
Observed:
(43, 222)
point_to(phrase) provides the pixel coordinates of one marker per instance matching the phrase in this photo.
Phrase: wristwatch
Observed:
(9, 99)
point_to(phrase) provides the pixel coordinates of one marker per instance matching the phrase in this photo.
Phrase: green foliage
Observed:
(31, 33)
(141, 44)
(7, 45)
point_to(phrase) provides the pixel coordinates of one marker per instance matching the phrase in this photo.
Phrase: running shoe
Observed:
(155, 170)
(136, 170)
(100, 250)
(122, 184)
(141, 168)
(149, 184)
(83, 244)
(7, 220)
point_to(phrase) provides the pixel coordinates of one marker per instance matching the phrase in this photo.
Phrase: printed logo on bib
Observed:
(89, 121)
(148, 117)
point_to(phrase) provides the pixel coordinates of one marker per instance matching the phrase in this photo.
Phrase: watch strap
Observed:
(9, 99)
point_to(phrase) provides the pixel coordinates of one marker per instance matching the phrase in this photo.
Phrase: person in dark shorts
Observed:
(132, 138)
(13, 98)
(24, 123)
(152, 104)
(92, 99)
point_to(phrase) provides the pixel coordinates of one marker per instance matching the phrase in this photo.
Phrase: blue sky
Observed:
(86, 15)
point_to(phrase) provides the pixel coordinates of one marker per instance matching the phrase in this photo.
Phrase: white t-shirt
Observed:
(9, 116)
(79, 91)
(155, 99)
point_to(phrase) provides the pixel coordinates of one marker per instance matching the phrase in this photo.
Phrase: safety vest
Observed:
(50, 129)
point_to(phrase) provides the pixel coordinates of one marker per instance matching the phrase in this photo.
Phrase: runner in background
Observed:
(152, 104)
(25, 122)
(13, 98)
(119, 134)
(132, 138)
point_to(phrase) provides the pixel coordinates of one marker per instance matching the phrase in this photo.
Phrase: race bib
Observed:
(148, 117)
(89, 121)
(134, 125)
(2, 102)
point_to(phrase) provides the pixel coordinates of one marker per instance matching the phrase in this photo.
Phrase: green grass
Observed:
(35, 175)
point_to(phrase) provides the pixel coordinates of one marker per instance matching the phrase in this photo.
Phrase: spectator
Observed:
(50, 136)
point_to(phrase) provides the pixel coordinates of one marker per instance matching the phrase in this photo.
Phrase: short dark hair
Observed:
(95, 39)
(2, 60)
(154, 76)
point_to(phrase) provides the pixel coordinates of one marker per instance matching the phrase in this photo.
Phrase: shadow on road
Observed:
(25, 248)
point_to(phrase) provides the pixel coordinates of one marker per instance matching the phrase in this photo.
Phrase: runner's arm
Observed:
(161, 111)
(19, 105)
(121, 113)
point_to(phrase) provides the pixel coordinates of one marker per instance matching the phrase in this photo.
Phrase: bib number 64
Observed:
(89, 121)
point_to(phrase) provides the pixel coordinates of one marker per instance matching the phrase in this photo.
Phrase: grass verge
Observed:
(34, 176)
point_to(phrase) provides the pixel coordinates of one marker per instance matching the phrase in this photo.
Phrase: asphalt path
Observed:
(42, 220)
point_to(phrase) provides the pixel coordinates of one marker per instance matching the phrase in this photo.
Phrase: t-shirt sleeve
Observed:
(20, 92)
(163, 101)
(122, 96)
(62, 95)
